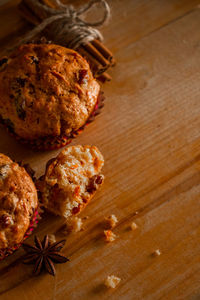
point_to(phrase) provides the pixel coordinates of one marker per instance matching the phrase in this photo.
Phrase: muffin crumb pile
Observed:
(109, 236)
(111, 221)
(75, 224)
(112, 281)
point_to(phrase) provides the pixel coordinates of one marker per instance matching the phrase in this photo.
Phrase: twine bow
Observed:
(65, 27)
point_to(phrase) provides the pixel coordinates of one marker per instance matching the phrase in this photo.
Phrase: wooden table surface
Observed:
(149, 133)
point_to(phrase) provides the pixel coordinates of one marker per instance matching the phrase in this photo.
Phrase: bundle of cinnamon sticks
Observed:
(99, 57)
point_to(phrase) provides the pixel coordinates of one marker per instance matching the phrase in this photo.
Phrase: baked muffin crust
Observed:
(46, 90)
(18, 202)
(71, 179)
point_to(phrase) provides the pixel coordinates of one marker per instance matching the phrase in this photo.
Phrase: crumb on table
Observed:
(75, 224)
(52, 238)
(157, 252)
(112, 281)
(109, 235)
(134, 226)
(111, 221)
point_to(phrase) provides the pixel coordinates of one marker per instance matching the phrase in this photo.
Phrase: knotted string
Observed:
(65, 27)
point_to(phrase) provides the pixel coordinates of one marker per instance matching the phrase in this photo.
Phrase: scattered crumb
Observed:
(75, 224)
(112, 281)
(136, 213)
(111, 221)
(109, 235)
(157, 252)
(134, 226)
(52, 238)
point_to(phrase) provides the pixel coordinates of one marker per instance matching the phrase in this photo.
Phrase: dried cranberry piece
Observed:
(35, 60)
(95, 181)
(74, 54)
(3, 61)
(5, 221)
(99, 179)
(81, 76)
(21, 81)
(76, 210)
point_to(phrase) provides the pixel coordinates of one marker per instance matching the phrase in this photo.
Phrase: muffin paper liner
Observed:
(33, 224)
(52, 143)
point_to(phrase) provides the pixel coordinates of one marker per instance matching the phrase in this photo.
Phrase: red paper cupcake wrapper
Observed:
(33, 224)
(52, 143)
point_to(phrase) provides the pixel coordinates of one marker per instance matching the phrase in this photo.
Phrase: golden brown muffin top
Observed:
(18, 202)
(46, 90)
(71, 179)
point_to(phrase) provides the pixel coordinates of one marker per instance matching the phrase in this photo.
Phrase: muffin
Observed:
(18, 205)
(71, 180)
(47, 93)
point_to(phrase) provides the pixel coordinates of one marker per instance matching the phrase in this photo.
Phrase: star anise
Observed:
(44, 255)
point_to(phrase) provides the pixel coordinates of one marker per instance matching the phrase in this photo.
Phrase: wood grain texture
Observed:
(149, 134)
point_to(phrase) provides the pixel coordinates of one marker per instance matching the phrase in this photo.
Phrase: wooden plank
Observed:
(149, 134)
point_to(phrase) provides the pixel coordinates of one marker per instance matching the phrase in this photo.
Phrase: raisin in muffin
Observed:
(47, 92)
(18, 202)
(71, 179)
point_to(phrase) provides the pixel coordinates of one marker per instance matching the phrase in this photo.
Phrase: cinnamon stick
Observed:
(104, 77)
(95, 66)
(99, 57)
(96, 54)
(104, 51)
(49, 3)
